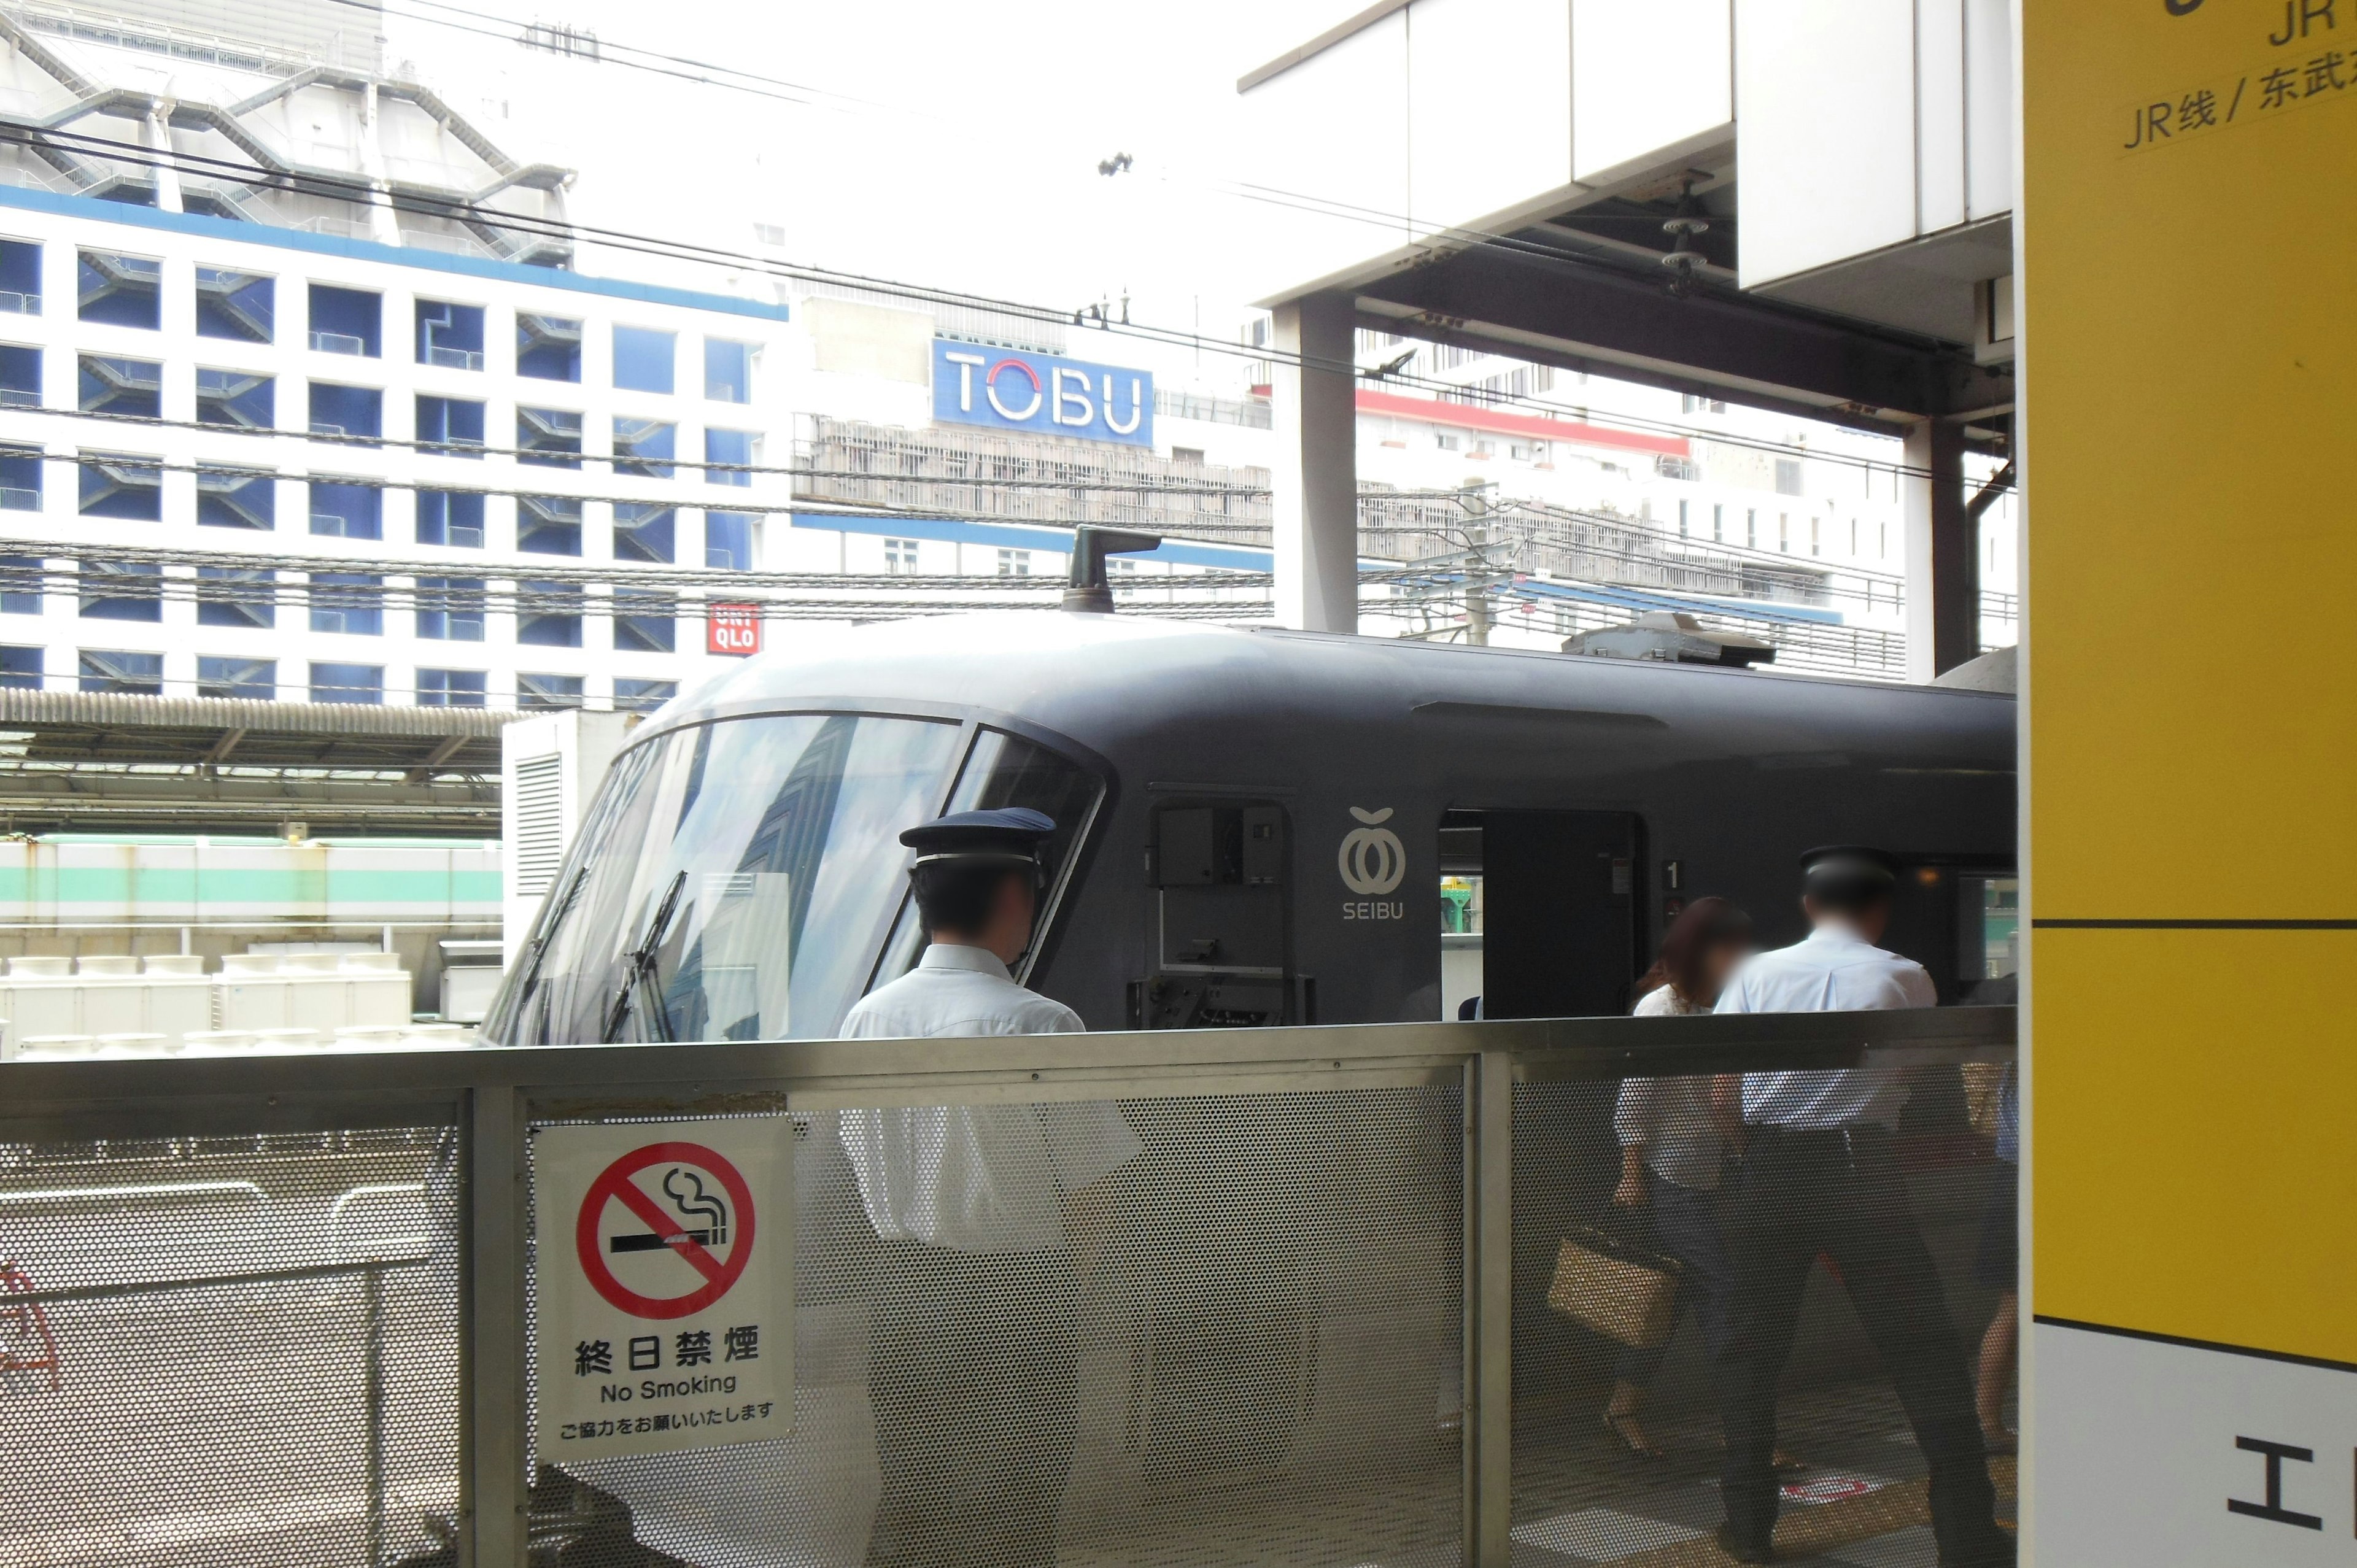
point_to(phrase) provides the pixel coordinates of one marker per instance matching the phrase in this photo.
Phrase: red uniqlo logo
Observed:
(733, 628)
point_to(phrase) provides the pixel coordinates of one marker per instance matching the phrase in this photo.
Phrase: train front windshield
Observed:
(737, 879)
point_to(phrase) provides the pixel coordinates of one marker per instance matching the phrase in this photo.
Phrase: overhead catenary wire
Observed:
(361, 191)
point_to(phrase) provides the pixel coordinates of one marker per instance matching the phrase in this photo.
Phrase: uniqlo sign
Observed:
(733, 628)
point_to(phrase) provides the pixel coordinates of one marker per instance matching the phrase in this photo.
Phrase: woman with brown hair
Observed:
(1673, 1149)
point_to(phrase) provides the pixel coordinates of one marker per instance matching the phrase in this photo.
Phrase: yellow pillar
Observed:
(2188, 277)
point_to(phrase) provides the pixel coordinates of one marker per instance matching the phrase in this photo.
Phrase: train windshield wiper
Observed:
(638, 974)
(529, 980)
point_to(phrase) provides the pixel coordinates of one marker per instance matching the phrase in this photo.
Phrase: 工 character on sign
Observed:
(592, 1356)
(742, 1344)
(646, 1353)
(694, 1348)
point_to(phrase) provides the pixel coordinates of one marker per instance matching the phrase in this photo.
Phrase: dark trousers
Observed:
(973, 1363)
(1841, 1193)
(1686, 1225)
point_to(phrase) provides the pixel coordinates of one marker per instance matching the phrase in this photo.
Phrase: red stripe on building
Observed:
(1464, 417)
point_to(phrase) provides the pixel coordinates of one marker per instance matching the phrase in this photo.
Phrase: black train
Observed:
(1255, 825)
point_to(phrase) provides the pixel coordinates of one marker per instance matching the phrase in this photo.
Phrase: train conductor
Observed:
(973, 1351)
(1820, 1174)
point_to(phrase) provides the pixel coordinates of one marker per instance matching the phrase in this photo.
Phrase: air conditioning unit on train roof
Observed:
(1672, 637)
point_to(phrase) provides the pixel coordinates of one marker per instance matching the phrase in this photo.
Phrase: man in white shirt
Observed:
(973, 1359)
(1820, 1175)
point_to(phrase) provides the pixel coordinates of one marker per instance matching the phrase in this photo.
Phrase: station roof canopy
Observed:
(83, 762)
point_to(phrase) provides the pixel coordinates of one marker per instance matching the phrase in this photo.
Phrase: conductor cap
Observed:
(1006, 832)
(1847, 867)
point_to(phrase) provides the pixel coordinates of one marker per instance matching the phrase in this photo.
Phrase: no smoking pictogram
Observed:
(699, 1217)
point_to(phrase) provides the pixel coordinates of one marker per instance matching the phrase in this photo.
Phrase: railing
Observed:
(1332, 1305)
(337, 343)
(19, 302)
(454, 358)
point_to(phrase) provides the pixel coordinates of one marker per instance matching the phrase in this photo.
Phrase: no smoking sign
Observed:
(666, 1286)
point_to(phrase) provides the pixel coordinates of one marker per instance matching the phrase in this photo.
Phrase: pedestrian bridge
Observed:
(1358, 1297)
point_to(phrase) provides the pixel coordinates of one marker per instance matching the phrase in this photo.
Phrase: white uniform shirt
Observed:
(1671, 1116)
(1831, 970)
(974, 1178)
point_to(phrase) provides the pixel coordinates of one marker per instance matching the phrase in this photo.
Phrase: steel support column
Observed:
(1489, 1310)
(493, 1497)
(1314, 476)
(1943, 589)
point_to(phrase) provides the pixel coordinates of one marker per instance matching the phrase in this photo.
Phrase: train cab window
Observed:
(1003, 769)
(731, 883)
(1988, 936)
(1960, 923)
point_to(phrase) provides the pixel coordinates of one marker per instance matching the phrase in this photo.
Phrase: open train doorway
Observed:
(1541, 913)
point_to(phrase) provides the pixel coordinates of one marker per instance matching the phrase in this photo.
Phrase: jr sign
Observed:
(1010, 391)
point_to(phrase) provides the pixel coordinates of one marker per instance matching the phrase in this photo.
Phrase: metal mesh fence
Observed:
(1240, 1341)
(230, 1350)
(1734, 1305)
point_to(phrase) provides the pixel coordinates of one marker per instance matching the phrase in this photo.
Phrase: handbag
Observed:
(1618, 1289)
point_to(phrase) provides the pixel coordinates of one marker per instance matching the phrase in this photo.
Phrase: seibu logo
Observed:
(1373, 863)
(1043, 392)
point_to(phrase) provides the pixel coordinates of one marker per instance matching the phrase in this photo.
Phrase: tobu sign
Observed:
(665, 1285)
(733, 630)
(1009, 389)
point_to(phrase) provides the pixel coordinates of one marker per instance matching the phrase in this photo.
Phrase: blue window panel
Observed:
(347, 321)
(540, 691)
(548, 525)
(347, 683)
(20, 480)
(644, 533)
(236, 306)
(20, 585)
(236, 595)
(548, 615)
(20, 376)
(121, 591)
(347, 510)
(20, 669)
(125, 487)
(231, 498)
(644, 447)
(121, 291)
(453, 519)
(632, 695)
(450, 609)
(548, 437)
(239, 400)
(20, 277)
(728, 371)
(451, 422)
(351, 602)
(728, 446)
(124, 672)
(449, 336)
(238, 679)
(728, 540)
(346, 411)
(133, 388)
(645, 623)
(548, 348)
(644, 358)
(451, 689)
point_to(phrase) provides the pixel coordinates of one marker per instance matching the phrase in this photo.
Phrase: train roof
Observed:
(1101, 679)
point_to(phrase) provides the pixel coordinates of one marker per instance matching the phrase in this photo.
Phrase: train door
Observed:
(1556, 896)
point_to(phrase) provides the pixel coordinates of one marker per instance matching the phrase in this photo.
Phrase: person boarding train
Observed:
(1820, 1174)
(973, 1358)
